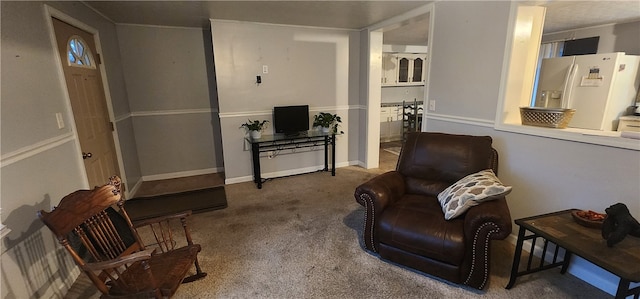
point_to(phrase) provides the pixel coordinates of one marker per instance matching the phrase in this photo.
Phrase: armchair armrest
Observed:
(383, 189)
(488, 221)
(496, 212)
(375, 195)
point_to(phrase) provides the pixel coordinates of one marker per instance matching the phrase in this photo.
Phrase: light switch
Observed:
(265, 69)
(432, 105)
(60, 120)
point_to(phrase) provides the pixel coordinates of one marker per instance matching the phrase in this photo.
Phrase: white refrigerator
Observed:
(600, 87)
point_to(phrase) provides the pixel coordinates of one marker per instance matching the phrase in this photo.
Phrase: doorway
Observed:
(80, 60)
(409, 33)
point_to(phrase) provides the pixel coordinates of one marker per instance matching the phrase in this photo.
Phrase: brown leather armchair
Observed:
(404, 222)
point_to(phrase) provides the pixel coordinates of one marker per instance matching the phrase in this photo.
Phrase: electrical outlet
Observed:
(432, 105)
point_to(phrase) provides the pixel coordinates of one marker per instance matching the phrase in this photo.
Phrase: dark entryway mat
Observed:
(198, 201)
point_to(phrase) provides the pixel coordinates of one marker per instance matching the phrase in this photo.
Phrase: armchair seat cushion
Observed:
(416, 224)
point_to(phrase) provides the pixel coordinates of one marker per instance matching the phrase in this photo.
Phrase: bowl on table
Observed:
(588, 218)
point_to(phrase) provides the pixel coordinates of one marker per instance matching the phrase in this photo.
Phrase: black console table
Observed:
(277, 142)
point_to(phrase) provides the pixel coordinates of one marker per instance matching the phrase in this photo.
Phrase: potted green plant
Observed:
(327, 121)
(255, 127)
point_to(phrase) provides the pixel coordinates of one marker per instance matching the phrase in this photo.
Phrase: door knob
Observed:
(86, 155)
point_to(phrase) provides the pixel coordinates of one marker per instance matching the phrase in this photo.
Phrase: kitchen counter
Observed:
(397, 104)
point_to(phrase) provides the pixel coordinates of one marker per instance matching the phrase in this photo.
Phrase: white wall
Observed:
(174, 115)
(306, 66)
(546, 174)
(40, 163)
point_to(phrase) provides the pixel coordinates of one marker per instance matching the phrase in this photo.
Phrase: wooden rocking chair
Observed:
(107, 246)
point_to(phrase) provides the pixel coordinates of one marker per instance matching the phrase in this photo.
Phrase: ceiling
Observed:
(561, 15)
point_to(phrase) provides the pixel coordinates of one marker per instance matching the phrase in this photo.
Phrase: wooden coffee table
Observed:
(559, 230)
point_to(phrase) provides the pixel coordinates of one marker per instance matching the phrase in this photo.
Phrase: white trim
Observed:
(172, 112)
(432, 21)
(397, 20)
(50, 13)
(578, 267)
(97, 11)
(461, 120)
(604, 138)
(164, 112)
(122, 117)
(160, 26)
(240, 179)
(180, 174)
(132, 190)
(36, 148)
(269, 112)
(282, 25)
(284, 173)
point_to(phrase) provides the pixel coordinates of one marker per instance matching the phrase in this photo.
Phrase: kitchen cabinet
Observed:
(390, 122)
(401, 69)
(389, 69)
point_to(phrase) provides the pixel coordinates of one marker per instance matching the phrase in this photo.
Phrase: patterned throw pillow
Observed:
(470, 191)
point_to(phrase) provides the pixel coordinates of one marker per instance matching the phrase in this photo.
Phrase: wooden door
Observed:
(80, 65)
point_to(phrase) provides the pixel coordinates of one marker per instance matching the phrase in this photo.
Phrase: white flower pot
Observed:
(325, 129)
(255, 134)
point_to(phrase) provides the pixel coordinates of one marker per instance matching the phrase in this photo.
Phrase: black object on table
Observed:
(559, 228)
(280, 141)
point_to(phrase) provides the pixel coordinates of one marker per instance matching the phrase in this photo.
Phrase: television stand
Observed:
(281, 141)
(295, 134)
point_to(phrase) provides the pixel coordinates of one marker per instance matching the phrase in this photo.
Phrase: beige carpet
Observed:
(301, 237)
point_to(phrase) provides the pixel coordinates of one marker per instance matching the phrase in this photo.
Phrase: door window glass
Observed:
(78, 54)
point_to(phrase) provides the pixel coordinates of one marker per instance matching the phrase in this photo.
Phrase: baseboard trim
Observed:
(284, 173)
(133, 189)
(578, 267)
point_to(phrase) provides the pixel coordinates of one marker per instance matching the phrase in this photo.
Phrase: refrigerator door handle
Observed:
(568, 85)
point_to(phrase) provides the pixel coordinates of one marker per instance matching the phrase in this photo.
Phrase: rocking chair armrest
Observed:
(119, 261)
(145, 222)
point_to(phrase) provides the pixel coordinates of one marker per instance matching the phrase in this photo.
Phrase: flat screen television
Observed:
(582, 46)
(291, 119)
